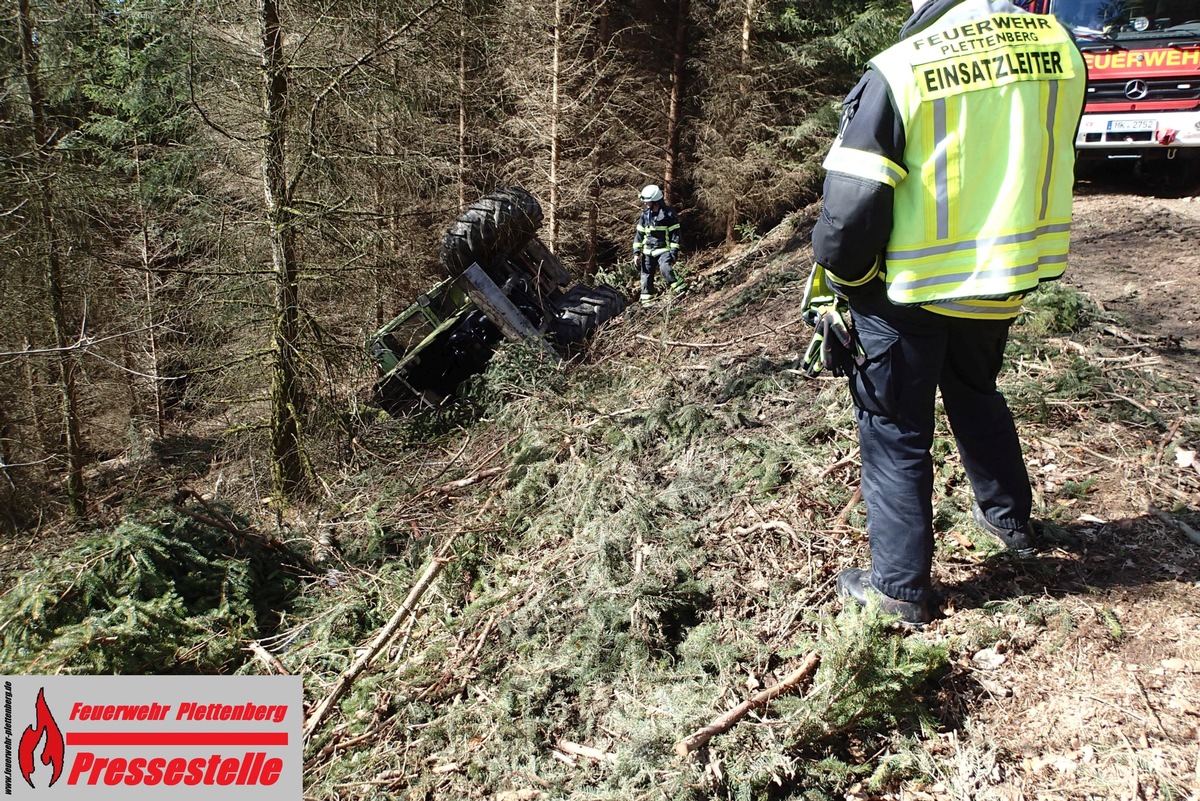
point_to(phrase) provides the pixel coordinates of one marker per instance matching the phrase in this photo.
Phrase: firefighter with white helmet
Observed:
(656, 242)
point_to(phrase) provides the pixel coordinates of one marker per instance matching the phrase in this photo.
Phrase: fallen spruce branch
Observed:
(213, 517)
(726, 721)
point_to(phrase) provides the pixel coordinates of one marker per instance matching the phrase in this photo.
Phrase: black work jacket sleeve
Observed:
(856, 216)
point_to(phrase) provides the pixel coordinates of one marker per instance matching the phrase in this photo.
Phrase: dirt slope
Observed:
(1077, 673)
(1139, 258)
(1108, 705)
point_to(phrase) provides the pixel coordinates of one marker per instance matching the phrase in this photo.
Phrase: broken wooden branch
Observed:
(267, 658)
(213, 518)
(468, 481)
(726, 721)
(725, 344)
(322, 710)
(766, 525)
(575, 749)
(845, 513)
(216, 519)
(450, 486)
(385, 635)
(845, 461)
(1176, 523)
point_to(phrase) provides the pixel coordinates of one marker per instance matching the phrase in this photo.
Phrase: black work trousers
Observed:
(911, 353)
(663, 262)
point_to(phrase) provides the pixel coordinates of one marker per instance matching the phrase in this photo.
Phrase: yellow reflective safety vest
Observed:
(990, 101)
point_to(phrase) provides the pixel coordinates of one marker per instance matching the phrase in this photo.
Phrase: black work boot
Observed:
(1022, 541)
(855, 583)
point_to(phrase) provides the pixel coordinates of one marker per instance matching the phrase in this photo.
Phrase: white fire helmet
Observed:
(651, 194)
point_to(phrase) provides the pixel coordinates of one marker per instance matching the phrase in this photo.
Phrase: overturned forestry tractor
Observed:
(503, 283)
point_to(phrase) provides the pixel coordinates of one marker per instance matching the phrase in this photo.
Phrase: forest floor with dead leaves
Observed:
(1099, 697)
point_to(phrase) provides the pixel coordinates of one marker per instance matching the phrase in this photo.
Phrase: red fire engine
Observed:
(1143, 91)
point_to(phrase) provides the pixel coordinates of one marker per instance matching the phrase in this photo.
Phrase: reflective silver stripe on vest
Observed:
(941, 170)
(1051, 115)
(1000, 310)
(863, 164)
(658, 232)
(976, 244)
(1016, 271)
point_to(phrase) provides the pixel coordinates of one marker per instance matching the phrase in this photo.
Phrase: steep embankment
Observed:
(650, 537)
(625, 547)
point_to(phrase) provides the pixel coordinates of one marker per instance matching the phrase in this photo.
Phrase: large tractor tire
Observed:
(491, 229)
(584, 309)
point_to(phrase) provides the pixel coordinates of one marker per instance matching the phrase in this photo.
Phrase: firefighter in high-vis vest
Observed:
(656, 242)
(947, 200)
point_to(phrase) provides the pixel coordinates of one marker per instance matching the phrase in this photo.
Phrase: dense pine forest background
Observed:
(206, 207)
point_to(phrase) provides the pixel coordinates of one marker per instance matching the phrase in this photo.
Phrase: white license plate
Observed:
(1128, 126)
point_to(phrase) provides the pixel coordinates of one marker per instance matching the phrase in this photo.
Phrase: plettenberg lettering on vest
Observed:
(977, 33)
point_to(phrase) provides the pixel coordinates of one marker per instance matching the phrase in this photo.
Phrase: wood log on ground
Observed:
(1177, 524)
(795, 679)
(322, 710)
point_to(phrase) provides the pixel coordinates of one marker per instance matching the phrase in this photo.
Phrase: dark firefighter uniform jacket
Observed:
(657, 232)
(952, 172)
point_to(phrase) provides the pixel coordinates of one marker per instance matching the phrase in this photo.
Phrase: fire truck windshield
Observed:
(1128, 18)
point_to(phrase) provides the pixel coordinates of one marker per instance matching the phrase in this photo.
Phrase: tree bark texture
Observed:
(148, 286)
(555, 112)
(726, 721)
(747, 30)
(678, 67)
(603, 41)
(287, 398)
(64, 360)
(731, 219)
(463, 137)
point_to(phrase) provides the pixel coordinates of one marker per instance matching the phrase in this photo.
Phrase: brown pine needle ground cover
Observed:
(639, 541)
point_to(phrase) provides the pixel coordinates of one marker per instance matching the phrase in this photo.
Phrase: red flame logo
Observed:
(52, 751)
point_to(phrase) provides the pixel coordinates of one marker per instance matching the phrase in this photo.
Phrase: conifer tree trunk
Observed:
(678, 66)
(64, 361)
(603, 37)
(555, 112)
(462, 106)
(747, 30)
(31, 390)
(731, 218)
(287, 400)
(148, 287)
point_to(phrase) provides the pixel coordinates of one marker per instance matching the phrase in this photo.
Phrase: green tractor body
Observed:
(504, 284)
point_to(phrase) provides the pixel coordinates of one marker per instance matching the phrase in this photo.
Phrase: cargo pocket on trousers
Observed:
(872, 383)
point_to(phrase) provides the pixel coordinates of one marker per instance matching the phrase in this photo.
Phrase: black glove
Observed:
(834, 347)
